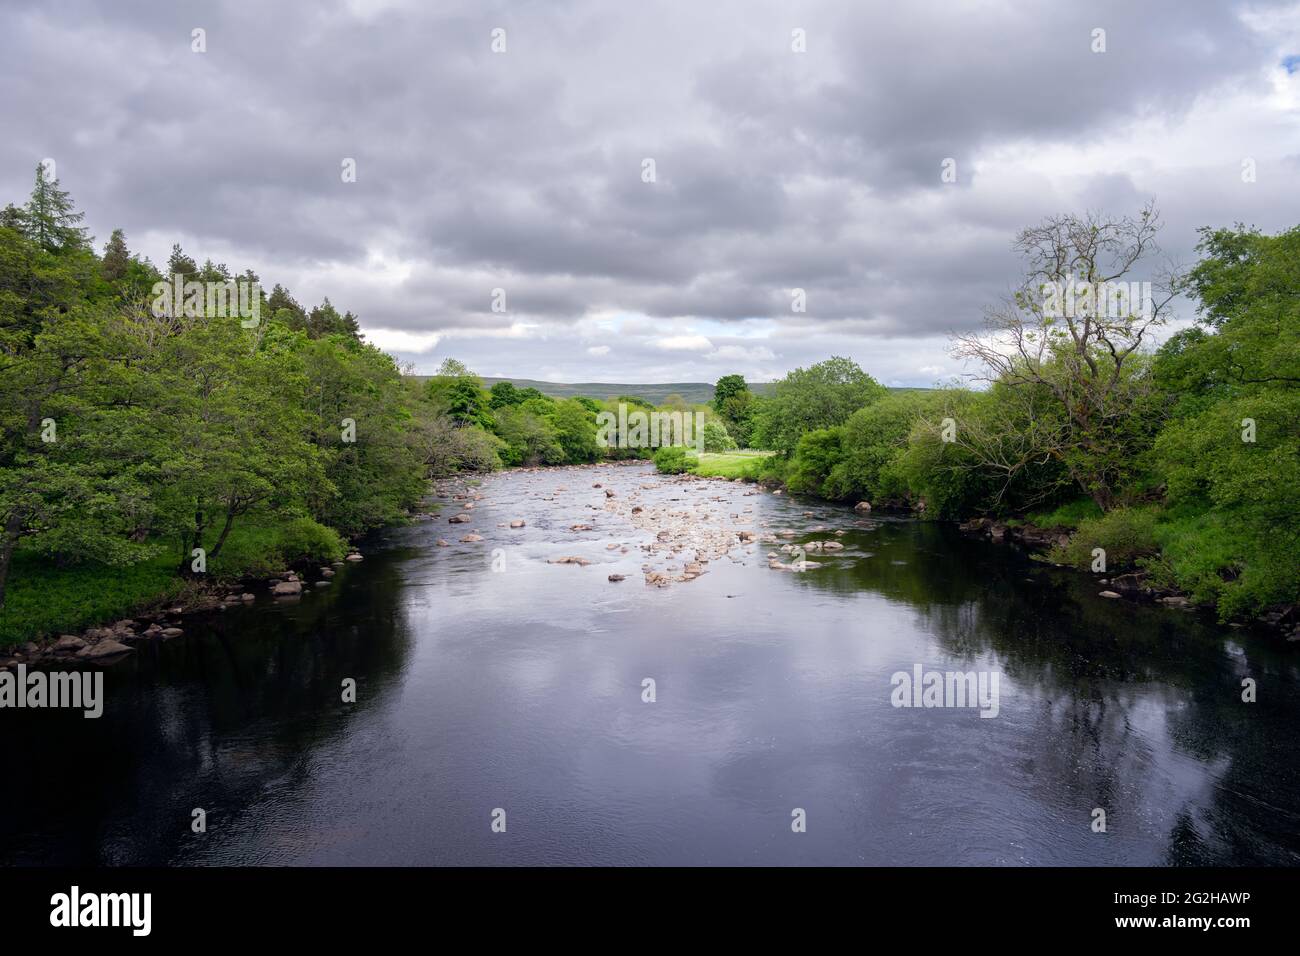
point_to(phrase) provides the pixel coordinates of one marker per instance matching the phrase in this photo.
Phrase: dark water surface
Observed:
(522, 689)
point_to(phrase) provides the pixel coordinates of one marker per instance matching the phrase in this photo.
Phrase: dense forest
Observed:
(148, 444)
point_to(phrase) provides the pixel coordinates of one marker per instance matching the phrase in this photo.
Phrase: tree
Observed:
(49, 218)
(453, 368)
(529, 438)
(1073, 331)
(1230, 454)
(715, 437)
(734, 403)
(70, 443)
(726, 387)
(821, 396)
(179, 264)
(234, 425)
(503, 394)
(361, 426)
(116, 257)
(575, 430)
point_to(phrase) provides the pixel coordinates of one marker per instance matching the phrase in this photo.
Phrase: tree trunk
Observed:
(225, 530)
(13, 526)
(196, 541)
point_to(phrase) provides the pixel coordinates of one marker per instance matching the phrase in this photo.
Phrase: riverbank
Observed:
(161, 617)
(1046, 537)
(45, 603)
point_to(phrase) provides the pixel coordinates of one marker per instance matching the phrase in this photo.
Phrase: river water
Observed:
(489, 679)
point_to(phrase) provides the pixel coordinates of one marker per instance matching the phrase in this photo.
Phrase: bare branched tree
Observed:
(1076, 330)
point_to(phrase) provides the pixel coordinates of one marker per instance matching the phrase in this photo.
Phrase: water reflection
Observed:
(522, 689)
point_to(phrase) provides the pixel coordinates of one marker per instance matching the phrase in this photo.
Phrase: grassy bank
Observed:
(739, 463)
(731, 464)
(44, 599)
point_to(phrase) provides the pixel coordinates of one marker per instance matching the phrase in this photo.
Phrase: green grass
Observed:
(1067, 516)
(743, 463)
(43, 599)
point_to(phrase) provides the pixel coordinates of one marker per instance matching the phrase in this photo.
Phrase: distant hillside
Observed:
(693, 392)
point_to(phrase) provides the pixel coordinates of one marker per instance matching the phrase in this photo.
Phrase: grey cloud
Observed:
(775, 170)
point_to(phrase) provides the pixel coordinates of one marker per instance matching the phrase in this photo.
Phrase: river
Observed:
(489, 679)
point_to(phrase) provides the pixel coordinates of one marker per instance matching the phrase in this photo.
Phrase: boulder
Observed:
(68, 644)
(471, 538)
(104, 650)
(1129, 584)
(616, 577)
(1110, 594)
(169, 632)
(285, 588)
(862, 507)
(354, 557)
(517, 523)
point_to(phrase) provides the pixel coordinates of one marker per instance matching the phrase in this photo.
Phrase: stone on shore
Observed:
(104, 650)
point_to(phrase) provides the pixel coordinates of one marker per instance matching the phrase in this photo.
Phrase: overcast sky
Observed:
(774, 169)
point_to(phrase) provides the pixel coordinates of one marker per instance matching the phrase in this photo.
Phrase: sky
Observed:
(503, 211)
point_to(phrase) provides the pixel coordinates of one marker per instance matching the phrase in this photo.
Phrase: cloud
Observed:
(775, 169)
(683, 343)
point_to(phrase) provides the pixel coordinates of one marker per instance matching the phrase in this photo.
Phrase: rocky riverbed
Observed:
(677, 524)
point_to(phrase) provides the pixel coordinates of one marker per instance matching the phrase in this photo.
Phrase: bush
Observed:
(1125, 534)
(302, 539)
(671, 460)
(716, 438)
(875, 437)
(1068, 515)
(1218, 559)
(816, 456)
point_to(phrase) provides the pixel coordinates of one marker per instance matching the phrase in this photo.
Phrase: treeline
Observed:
(1182, 462)
(132, 435)
(146, 440)
(508, 426)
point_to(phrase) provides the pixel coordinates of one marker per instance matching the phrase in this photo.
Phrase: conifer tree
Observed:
(116, 257)
(49, 218)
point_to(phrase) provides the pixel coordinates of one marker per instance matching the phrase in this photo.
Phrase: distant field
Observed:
(695, 393)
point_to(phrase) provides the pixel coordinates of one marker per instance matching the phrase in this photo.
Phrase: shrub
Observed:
(716, 438)
(816, 456)
(1218, 559)
(671, 460)
(1125, 534)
